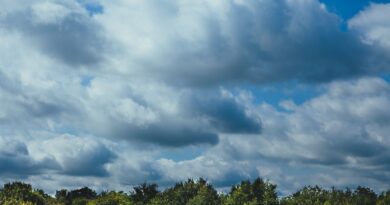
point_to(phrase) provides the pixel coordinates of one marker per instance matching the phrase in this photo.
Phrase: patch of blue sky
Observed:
(346, 9)
(86, 80)
(92, 7)
(386, 77)
(275, 93)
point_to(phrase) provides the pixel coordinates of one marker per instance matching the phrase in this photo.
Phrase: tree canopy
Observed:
(193, 192)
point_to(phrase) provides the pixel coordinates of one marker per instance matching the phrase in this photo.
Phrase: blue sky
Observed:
(110, 94)
(349, 8)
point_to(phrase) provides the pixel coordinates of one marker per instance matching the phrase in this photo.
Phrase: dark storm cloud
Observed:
(74, 38)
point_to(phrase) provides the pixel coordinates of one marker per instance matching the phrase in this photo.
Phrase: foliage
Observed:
(75, 197)
(318, 196)
(21, 193)
(143, 193)
(256, 193)
(193, 192)
(111, 198)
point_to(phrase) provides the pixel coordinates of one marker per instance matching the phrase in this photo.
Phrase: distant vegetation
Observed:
(192, 192)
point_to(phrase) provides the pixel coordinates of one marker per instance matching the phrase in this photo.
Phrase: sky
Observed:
(111, 94)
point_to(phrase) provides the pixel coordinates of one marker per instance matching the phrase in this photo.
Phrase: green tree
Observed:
(194, 192)
(75, 197)
(384, 198)
(364, 196)
(19, 192)
(206, 195)
(111, 198)
(256, 193)
(143, 193)
(270, 196)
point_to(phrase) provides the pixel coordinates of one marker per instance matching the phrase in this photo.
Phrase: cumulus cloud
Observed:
(106, 89)
(61, 30)
(340, 132)
(16, 161)
(160, 114)
(373, 29)
(340, 126)
(77, 156)
(201, 43)
(372, 24)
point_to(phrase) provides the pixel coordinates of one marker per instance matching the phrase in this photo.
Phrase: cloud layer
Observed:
(91, 91)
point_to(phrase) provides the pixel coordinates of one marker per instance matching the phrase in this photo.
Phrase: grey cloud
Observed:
(209, 116)
(74, 159)
(74, 38)
(166, 134)
(337, 125)
(15, 160)
(253, 41)
(78, 156)
(332, 130)
(89, 163)
(212, 167)
(137, 98)
(25, 107)
(226, 115)
(170, 132)
(166, 116)
(329, 137)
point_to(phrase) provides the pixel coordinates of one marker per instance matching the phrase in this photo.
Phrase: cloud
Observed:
(61, 30)
(15, 160)
(372, 25)
(342, 131)
(108, 96)
(340, 125)
(373, 29)
(227, 113)
(205, 43)
(208, 43)
(63, 155)
(160, 114)
(77, 156)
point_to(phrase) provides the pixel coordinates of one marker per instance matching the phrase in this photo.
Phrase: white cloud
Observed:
(207, 43)
(340, 132)
(121, 86)
(372, 23)
(49, 12)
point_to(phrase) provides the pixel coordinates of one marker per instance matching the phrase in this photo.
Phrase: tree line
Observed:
(193, 192)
